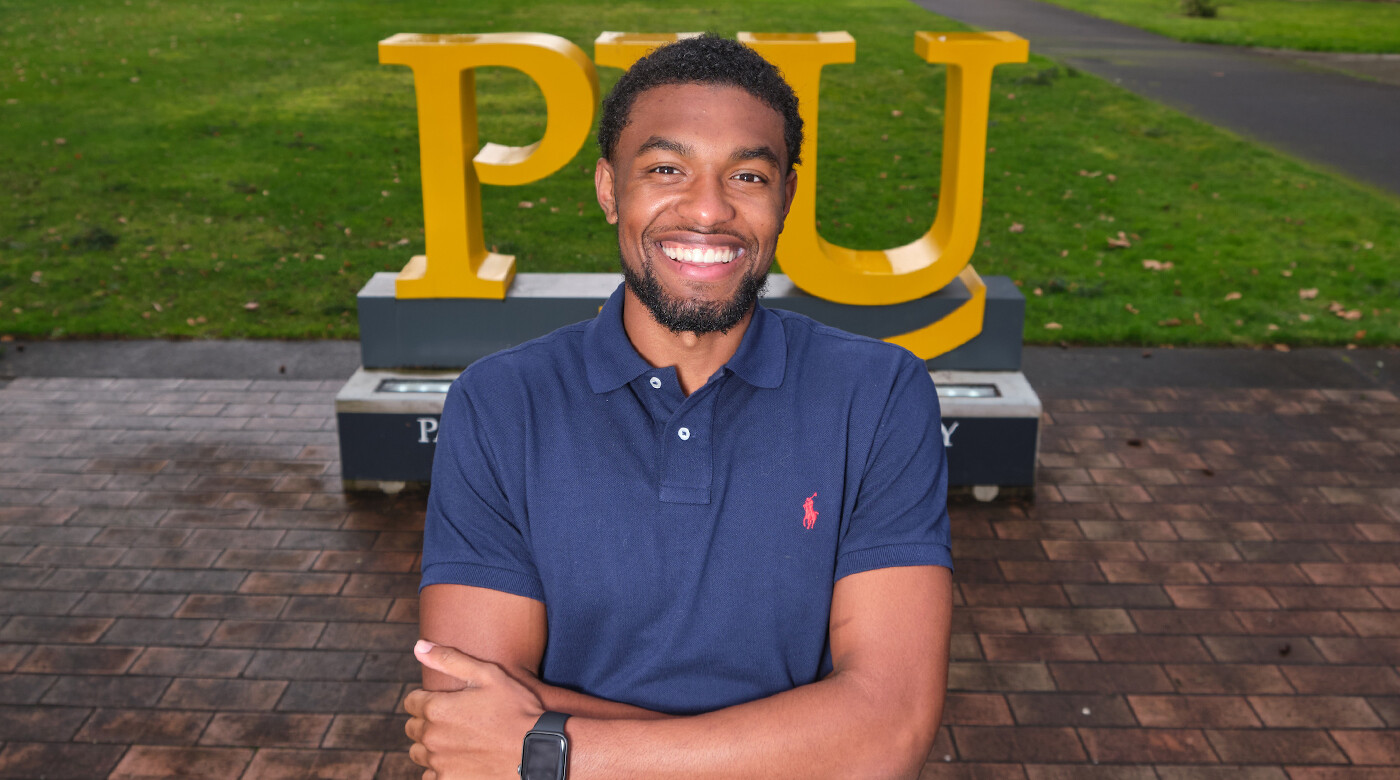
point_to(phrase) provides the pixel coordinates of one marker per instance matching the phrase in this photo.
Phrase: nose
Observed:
(706, 201)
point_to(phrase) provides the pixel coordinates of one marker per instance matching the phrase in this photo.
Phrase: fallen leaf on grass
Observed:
(1087, 174)
(1282, 348)
(1338, 309)
(1120, 242)
(1307, 294)
(526, 204)
(251, 305)
(1360, 334)
(896, 113)
(1305, 317)
(1017, 227)
(1233, 296)
(1156, 265)
(1170, 322)
(1053, 326)
(1130, 308)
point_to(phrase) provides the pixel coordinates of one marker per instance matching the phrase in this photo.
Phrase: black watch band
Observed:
(551, 722)
(545, 754)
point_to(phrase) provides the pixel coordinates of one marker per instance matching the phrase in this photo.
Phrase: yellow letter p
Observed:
(457, 264)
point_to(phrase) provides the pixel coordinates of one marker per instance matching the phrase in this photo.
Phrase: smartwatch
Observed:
(546, 752)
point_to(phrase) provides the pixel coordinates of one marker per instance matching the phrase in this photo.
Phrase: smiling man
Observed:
(692, 537)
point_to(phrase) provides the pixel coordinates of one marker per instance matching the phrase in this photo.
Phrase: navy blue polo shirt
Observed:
(686, 548)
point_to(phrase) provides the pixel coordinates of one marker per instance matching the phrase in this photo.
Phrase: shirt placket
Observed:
(687, 447)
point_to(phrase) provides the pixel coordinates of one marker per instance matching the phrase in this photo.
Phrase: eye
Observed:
(666, 170)
(751, 178)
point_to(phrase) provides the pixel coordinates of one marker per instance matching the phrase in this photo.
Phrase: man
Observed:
(713, 534)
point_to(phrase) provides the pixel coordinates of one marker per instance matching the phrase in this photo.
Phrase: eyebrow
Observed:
(758, 153)
(656, 142)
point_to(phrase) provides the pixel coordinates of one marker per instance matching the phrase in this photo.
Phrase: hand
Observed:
(476, 731)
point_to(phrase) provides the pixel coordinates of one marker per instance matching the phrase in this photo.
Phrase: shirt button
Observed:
(656, 382)
(684, 433)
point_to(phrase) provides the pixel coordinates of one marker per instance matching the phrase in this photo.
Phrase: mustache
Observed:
(700, 231)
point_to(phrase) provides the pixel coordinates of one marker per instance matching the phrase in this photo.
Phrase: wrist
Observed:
(545, 753)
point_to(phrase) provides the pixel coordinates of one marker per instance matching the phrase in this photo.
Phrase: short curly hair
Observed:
(708, 59)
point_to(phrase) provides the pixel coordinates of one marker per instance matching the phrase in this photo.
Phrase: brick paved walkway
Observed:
(1208, 586)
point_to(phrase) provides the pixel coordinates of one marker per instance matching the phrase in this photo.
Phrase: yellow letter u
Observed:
(879, 277)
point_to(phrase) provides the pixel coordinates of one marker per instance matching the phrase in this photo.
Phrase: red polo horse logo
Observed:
(809, 513)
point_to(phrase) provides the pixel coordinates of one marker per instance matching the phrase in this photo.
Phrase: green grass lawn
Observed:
(1311, 25)
(195, 169)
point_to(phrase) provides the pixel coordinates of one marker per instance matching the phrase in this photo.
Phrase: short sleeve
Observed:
(900, 517)
(472, 534)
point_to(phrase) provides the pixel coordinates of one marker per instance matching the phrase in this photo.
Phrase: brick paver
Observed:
(1207, 586)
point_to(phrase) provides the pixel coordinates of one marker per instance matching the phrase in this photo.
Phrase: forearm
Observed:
(839, 727)
(551, 696)
(581, 705)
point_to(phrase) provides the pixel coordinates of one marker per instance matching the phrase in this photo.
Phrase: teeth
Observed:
(699, 255)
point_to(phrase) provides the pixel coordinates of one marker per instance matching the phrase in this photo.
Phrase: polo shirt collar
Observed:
(609, 357)
(611, 361)
(762, 355)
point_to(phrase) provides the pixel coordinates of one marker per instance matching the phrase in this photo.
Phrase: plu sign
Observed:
(458, 265)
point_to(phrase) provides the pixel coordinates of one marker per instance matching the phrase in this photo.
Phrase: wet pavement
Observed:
(1207, 582)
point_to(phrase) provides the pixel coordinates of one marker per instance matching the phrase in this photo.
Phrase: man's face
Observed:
(698, 191)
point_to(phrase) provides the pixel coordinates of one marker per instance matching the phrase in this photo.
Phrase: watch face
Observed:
(544, 758)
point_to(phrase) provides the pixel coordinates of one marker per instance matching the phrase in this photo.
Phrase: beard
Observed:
(686, 315)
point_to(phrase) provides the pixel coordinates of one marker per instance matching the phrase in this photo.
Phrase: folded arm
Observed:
(875, 715)
(509, 631)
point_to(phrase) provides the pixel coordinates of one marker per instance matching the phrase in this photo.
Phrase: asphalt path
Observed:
(1349, 125)
(1045, 367)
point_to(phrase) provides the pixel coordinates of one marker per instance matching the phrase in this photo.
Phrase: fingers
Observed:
(452, 662)
(419, 755)
(416, 701)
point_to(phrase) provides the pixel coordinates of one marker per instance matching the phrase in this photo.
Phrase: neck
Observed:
(696, 357)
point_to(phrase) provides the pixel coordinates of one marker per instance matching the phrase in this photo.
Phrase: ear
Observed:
(603, 184)
(789, 192)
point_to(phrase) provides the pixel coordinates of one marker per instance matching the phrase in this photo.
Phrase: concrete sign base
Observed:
(991, 428)
(451, 333)
(388, 413)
